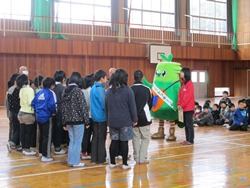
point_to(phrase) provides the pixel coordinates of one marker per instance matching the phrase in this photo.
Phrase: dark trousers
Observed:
(16, 130)
(33, 135)
(25, 135)
(189, 127)
(98, 150)
(118, 145)
(57, 131)
(86, 141)
(238, 127)
(11, 129)
(45, 138)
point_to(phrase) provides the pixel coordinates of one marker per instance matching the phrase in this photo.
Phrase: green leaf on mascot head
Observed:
(168, 59)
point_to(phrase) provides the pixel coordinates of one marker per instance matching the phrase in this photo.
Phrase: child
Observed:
(223, 111)
(14, 107)
(198, 111)
(44, 104)
(196, 104)
(205, 118)
(26, 115)
(75, 116)
(57, 128)
(97, 103)
(240, 118)
(86, 142)
(208, 103)
(229, 116)
(143, 101)
(225, 98)
(216, 113)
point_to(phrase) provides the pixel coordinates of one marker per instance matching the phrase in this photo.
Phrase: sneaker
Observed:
(19, 148)
(40, 154)
(129, 156)
(8, 147)
(61, 152)
(79, 165)
(224, 125)
(119, 157)
(46, 159)
(28, 153)
(126, 167)
(113, 165)
(86, 157)
(196, 125)
(228, 126)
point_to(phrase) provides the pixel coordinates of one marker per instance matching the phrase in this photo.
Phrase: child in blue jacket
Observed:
(240, 118)
(44, 104)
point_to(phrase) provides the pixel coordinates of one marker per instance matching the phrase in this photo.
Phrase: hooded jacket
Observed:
(74, 107)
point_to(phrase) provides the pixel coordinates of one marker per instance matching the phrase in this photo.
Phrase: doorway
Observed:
(200, 80)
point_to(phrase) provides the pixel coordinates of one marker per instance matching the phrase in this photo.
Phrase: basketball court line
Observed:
(99, 166)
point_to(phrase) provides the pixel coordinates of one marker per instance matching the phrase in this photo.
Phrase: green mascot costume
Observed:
(165, 89)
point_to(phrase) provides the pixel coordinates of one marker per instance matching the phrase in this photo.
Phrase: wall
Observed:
(44, 57)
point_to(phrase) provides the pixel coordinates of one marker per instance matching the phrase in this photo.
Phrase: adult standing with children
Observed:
(186, 102)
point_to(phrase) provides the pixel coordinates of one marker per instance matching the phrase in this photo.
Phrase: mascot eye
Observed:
(164, 73)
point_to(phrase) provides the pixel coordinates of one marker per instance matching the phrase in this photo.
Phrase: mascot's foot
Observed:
(158, 135)
(171, 138)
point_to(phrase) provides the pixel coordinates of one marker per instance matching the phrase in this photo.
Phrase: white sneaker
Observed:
(196, 125)
(28, 153)
(228, 126)
(46, 159)
(61, 152)
(79, 165)
(86, 157)
(119, 157)
(40, 155)
(126, 167)
(113, 165)
(224, 125)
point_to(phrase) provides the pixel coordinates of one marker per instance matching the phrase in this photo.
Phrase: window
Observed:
(83, 12)
(202, 77)
(208, 15)
(194, 76)
(15, 9)
(152, 14)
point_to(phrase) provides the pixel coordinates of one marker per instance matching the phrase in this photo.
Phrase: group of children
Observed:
(225, 113)
(77, 111)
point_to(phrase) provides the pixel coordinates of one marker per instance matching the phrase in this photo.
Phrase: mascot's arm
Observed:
(146, 83)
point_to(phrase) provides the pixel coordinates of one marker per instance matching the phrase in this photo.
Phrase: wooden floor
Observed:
(218, 158)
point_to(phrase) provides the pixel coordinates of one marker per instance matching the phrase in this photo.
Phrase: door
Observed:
(200, 80)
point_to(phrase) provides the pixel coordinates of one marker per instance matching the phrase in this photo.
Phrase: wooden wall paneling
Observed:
(95, 48)
(101, 48)
(217, 53)
(207, 53)
(77, 47)
(193, 52)
(106, 49)
(90, 48)
(63, 46)
(240, 82)
(84, 48)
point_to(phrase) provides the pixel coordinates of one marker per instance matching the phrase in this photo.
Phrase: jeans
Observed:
(45, 138)
(98, 150)
(189, 127)
(75, 140)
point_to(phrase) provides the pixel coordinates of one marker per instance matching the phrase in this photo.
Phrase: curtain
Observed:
(115, 15)
(235, 22)
(178, 17)
(41, 21)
